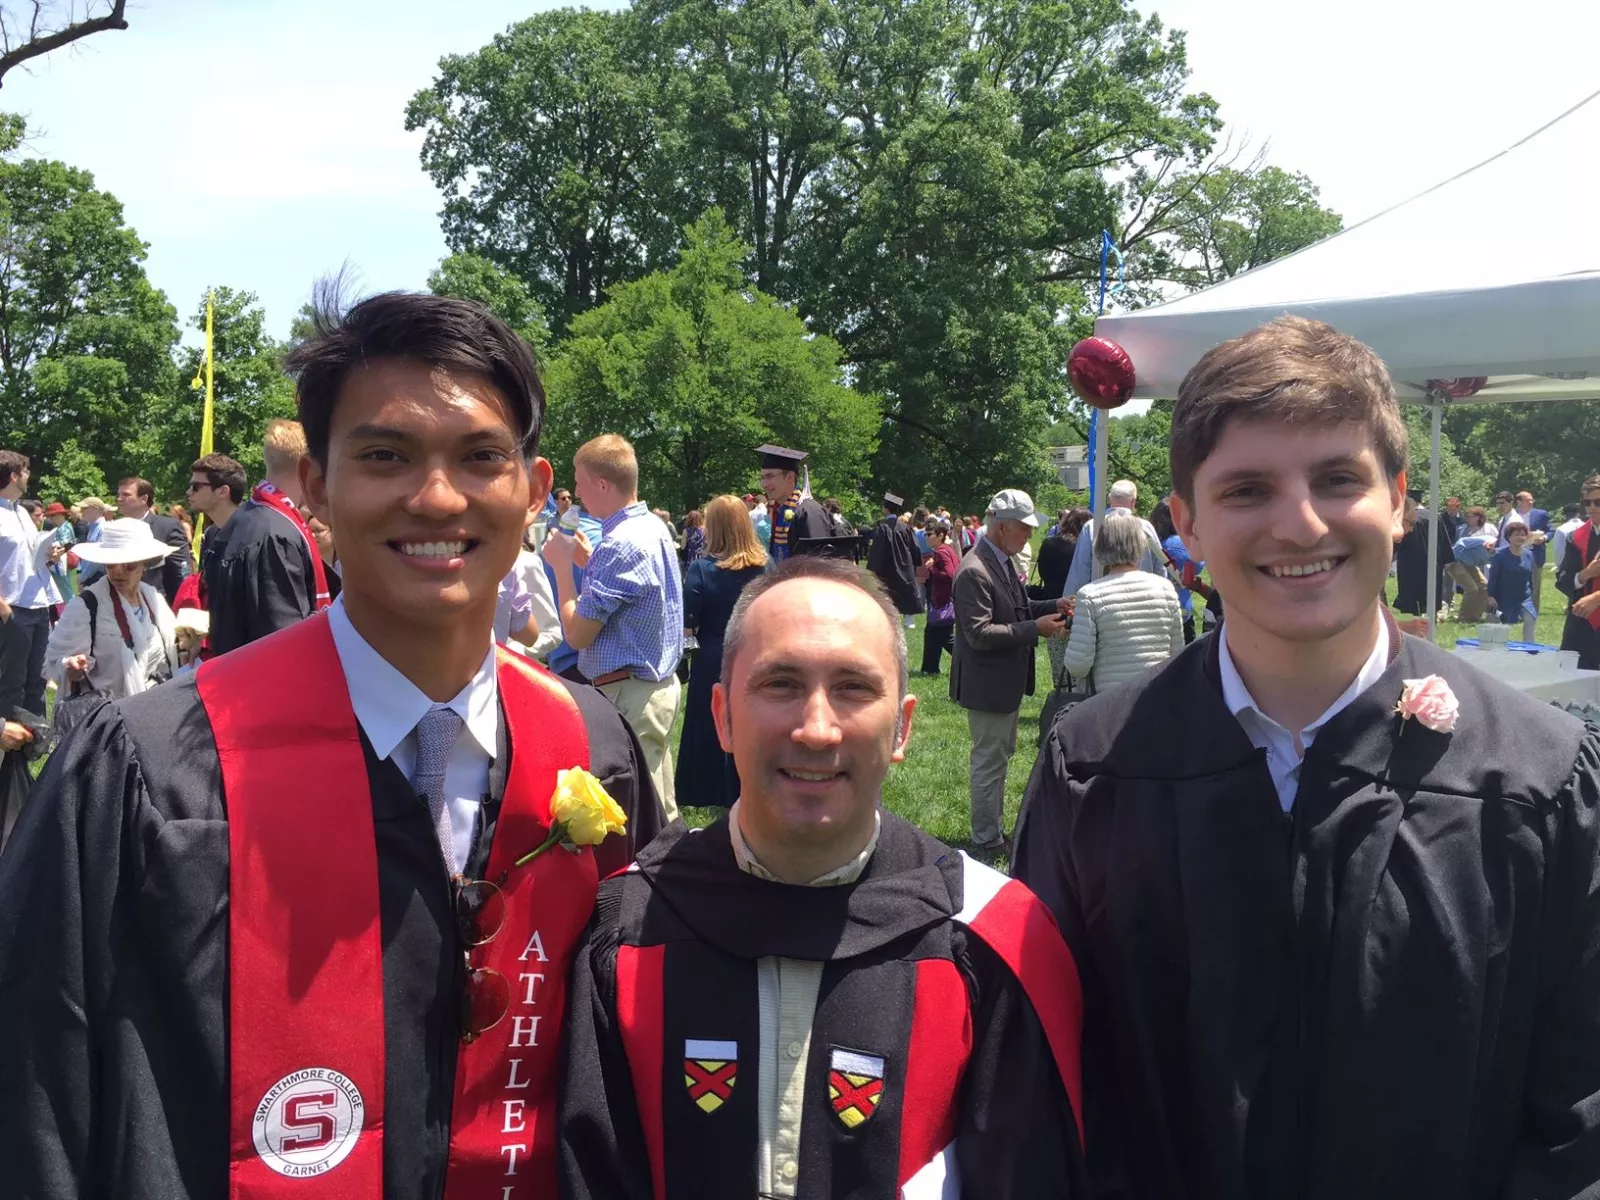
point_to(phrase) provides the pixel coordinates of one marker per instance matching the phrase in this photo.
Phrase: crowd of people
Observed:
(331, 888)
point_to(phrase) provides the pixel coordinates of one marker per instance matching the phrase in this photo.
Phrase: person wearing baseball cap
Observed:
(991, 670)
(93, 511)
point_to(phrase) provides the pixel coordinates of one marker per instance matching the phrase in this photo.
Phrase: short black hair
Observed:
(222, 472)
(12, 464)
(442, 331)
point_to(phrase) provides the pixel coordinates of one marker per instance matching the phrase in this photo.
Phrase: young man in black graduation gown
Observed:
(1578, 578)
(1327, 951)
(127, 1036)
(811, 997)
(894, 559)
(263, 572)
(796, 517)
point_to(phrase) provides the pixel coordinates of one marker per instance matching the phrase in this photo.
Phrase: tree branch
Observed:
(35, 46)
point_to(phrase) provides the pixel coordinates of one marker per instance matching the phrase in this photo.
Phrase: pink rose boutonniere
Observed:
(1431, 702)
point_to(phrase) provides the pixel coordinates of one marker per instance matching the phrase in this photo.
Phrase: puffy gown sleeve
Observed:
(1043, 860)
(603, 1153)
(264, 587)
(1558, 1151)
(111, 978)
(1017, 1138)
(57, 905)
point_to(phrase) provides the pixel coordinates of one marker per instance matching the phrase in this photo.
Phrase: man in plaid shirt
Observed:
(627, 622)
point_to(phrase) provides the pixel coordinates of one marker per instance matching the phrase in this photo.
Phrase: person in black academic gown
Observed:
(1575, 578)
(1331, 946)
(914, 1047)
(894, 559)
(259, 572)
(114, 894)
(796, 517)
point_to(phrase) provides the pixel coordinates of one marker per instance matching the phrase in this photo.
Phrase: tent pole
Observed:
(1102, 482)
(1435, 510)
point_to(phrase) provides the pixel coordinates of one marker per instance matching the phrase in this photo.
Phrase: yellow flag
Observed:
(207, 432)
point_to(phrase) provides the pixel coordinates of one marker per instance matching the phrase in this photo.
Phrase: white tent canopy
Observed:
(1495, 272)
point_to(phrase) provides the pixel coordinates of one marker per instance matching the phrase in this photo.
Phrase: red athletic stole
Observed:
(305, 960)
(270, 497)
(1580, 539)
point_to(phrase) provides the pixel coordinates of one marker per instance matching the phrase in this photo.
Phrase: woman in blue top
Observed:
(1511, 580)
(705, 772)
(1177, 559)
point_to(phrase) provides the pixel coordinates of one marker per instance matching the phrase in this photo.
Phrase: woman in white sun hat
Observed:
(117, 636)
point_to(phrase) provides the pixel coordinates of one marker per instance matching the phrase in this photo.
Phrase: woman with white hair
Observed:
(1127, 620)
(117, 636)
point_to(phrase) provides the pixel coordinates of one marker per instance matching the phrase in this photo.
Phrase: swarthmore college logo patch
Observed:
(855, 1085)
(709, 1070)
(308, 1122)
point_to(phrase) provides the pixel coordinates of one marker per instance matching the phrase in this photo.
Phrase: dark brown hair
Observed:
(222, 473)
(1292, 371)
(141, 488)
(12, 464)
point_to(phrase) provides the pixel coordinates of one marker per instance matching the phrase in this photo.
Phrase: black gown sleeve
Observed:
(1558, 1150)
(1567, 572)
(603, 1152)
(1042, 858)
(617, 761)
(266, 586)
(56, 891)
(1016, 1138)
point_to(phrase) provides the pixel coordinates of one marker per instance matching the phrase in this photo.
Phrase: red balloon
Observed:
(1101, 372)
(1459, 389)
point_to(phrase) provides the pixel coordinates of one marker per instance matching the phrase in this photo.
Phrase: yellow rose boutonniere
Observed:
(581, 814)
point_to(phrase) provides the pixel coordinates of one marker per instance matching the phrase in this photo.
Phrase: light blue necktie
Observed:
(436, 738)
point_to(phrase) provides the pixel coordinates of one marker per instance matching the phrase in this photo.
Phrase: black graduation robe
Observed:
(259, 578)
(798, 519)
(1015, 1134)
(114, 955)
(894, 559)
(1392, 992)
(1577, 634)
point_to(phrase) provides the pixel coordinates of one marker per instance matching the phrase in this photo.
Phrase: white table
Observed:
(1537, 675)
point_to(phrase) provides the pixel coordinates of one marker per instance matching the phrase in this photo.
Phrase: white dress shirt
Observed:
(786, 998)
(388, 707)
(24, 560)
(1287, 751)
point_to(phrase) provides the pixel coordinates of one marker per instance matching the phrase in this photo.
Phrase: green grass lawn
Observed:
(929, 789)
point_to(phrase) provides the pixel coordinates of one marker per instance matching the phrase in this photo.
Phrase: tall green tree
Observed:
(85, 340)
(1547, 448)
(547, 149)
(250, 390)
(925, 180)
(473, 277)
(696, 369)
(1215, 224)
(74, 475)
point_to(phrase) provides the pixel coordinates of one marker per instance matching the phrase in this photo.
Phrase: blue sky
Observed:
(261, 145)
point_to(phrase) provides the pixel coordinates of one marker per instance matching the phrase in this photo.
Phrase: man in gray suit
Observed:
(997, 627)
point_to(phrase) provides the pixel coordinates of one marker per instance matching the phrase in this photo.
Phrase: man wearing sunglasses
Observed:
(811, 997)
(1578, 577)
(275, 930)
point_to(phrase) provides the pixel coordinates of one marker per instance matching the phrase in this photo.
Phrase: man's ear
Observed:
(541, 477)
(314, 487)
(1183, 522)
(720, 717)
